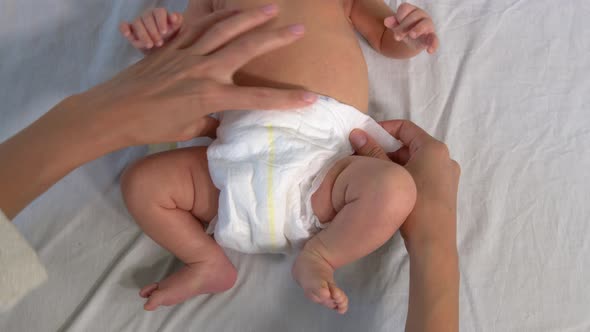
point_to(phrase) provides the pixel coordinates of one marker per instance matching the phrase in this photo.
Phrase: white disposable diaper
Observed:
(267, 165)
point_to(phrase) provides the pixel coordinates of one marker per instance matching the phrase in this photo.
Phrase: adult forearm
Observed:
(434, 289)
(43, 153)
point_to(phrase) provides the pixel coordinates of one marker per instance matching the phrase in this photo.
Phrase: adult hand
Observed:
(168, 95)
(165, 97)
(430, 230)
(436, 176)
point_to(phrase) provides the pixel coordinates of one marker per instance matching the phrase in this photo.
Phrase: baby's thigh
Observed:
(356, 177)
(177, 179)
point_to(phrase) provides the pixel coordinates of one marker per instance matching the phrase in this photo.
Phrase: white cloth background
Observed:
(509, 91)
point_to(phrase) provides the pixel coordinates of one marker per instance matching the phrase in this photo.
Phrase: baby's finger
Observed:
(152, 29)
(404, 10)
(125, 29)
(161, 17)
(390, 22)
(175, 19)
(425, 26)
(433, 43)
(407, 24)
(142, 35)
(174, 22)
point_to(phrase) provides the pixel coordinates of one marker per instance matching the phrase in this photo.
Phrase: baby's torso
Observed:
(327, 60)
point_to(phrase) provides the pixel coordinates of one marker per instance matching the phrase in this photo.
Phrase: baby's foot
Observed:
(316, 276)
(191, 280)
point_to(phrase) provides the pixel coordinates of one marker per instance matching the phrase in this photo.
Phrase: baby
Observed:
(281, 181)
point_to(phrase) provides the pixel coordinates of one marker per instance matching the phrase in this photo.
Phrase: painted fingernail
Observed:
(310, 97)
(270, 9)
(358, 139)
(297, 29)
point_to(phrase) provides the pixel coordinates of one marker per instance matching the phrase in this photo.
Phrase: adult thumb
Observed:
(365, 145)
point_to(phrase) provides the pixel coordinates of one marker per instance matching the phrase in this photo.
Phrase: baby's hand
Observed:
(414, 27)
(152, 29)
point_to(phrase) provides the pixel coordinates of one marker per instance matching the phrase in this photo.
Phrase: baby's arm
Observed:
(398, 35)
(157, 26)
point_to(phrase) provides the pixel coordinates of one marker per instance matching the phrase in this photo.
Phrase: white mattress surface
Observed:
(509, 92)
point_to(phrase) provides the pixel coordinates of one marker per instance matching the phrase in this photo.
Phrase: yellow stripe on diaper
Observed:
(270, 186)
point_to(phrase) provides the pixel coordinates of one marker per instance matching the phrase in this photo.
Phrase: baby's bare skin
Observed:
(328, 61)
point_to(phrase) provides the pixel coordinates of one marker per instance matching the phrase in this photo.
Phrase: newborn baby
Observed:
(281, 181)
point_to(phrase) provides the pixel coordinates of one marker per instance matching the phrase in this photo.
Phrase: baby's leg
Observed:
(168, 194)
(366, 201)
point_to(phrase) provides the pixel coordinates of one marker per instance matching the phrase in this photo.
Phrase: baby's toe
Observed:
(314, 297)
(322, 292)
(155, 300)
(148, 290)
(340, 299)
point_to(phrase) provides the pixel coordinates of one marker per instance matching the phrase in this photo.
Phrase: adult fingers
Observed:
(365, 145)
(408, 133)
(192, 31)
(401, 156)
(239, 52)
(231, 97)
(226, 30)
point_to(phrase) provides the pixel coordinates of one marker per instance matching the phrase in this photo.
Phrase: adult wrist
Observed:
(93, 123)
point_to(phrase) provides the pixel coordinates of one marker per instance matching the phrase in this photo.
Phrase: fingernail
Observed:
(413, 35)
(297, 29)
(150, 45)
(270, 9)
(310, 97)
(164, 31)
(358, 139)
(173, 18)
(159, 44)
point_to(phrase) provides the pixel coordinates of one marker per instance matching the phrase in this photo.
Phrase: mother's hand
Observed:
(168, 95)
(433, 219)
(430, 230)
(164, 97)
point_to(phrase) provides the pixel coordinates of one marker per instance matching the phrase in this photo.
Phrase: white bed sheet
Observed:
(509, 91)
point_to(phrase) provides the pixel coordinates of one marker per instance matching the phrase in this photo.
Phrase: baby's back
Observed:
(328, 60)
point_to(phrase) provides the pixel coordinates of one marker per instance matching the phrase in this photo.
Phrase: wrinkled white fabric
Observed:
(20, 269)
(508, 92)
(267, 164)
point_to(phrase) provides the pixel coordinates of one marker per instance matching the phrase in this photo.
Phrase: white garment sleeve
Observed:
(20, 268)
